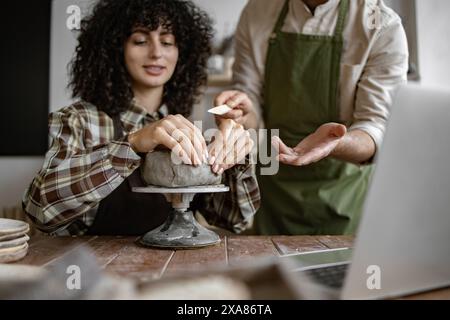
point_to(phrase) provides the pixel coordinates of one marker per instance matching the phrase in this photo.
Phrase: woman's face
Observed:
(151, 57)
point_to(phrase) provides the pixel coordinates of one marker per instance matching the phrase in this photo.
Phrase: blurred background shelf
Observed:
(219, 80)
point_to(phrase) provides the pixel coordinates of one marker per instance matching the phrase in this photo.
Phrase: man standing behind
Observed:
(323, 72)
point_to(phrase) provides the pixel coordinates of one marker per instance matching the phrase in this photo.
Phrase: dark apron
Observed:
(301, 91)
(126, 213)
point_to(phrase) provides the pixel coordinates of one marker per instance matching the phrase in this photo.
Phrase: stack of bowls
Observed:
(13, 240)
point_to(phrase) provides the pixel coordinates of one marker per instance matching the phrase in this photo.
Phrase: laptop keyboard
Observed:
(329, 276)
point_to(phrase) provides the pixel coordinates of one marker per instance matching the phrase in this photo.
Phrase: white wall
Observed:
(225, 14)
(16, 173)
(63, 42)
(433, 26)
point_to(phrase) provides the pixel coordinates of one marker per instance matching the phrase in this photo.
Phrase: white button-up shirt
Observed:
(374, 59)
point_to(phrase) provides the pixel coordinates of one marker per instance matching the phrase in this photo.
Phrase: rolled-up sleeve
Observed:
(385, 71)
(233, 210)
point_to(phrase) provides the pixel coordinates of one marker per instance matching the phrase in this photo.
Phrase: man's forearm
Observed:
(356, 147)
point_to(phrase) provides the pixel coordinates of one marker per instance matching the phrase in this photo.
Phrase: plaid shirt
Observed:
(84, 165)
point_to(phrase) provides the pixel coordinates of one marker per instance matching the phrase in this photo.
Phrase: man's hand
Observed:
(230, 146)
(243, 111)
(313, 148)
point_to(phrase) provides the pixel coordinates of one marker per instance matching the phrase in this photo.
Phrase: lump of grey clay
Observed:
(160, 170)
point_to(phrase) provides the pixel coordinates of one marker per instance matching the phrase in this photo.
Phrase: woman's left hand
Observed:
(231, 144)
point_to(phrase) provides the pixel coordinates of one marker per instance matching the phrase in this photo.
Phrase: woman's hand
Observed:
(230, 146)
(176, 133)
(240, 103)
(313, 148)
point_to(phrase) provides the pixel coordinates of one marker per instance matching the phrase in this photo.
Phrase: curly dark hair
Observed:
(98, 72)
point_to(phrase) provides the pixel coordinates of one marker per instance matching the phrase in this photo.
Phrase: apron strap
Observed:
(281, 18)
(343, 10)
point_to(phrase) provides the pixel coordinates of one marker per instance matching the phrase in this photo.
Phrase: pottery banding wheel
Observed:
(179, 183)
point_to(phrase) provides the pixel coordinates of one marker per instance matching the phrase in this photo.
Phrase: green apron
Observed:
(300, 94)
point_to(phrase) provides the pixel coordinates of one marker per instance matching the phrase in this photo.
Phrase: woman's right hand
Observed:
(176, 133)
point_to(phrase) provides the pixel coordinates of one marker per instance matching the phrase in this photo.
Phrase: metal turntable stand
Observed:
(181, 230)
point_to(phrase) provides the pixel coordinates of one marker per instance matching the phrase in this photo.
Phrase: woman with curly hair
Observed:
(137, 72)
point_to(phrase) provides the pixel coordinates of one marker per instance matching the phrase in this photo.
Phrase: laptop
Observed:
(402, 245)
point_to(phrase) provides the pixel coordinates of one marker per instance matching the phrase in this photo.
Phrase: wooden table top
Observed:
(121, 256)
